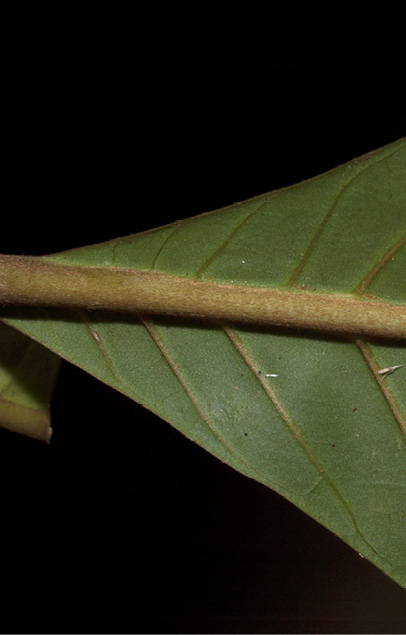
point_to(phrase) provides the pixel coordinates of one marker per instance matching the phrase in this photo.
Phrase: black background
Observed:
(121, 524)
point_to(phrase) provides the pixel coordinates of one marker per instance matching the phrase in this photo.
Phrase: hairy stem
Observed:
(33, 281)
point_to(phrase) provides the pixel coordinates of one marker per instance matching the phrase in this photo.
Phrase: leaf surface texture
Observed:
(308, 415)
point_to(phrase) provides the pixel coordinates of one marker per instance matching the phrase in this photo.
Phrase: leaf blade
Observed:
(326, 431)
(27, 376)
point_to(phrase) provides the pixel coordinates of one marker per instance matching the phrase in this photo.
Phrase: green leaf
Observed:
(27, 376)
(309, 415)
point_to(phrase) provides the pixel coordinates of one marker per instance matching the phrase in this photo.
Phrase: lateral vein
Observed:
(382, 383)
(295, 431)
(379, 266)
(227, 240)
(155, 335)
(324, 222)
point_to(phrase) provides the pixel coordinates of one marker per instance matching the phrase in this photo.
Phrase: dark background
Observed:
(121, 524)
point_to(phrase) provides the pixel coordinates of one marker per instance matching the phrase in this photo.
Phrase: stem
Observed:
(29, 281)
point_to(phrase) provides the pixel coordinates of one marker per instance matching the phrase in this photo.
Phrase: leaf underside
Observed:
(311, 417)
(27, 376)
